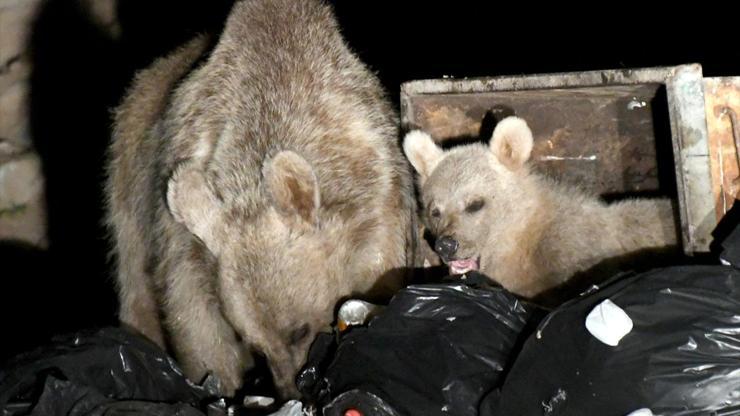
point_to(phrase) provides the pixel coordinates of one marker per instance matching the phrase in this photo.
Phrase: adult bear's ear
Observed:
(293, 187)
(192, 202)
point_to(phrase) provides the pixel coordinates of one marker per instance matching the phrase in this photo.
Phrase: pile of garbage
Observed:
(665, 342)
(657, 343)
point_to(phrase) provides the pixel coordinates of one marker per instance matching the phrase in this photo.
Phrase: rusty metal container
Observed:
(616, 133)
(722, 97)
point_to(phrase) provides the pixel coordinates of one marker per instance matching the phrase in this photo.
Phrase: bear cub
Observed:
(491, 213)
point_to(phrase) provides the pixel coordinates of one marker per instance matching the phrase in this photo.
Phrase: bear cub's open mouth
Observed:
(462, 266)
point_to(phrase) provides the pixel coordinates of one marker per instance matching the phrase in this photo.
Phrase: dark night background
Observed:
(80, 74)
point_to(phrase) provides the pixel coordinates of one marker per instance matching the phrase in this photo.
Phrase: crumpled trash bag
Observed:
(104, 372)
(435, 350)
(681, 356)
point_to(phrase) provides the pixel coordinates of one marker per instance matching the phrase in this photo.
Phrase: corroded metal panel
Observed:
(722, 97)
(685, 92)
(601, 139)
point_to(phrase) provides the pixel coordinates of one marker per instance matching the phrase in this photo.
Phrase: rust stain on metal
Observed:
(443, 121)
(722, 97)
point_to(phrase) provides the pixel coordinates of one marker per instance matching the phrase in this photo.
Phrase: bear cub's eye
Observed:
(475, 206)
(435, 213)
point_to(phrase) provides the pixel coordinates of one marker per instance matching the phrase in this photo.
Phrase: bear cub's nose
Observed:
(446, 247)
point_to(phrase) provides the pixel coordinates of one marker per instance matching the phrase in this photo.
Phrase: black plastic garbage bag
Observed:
(109, 372)
(435, 350)
(681, 357)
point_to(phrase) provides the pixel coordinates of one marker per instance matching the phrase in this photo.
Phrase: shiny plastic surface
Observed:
(682, 356)
(109, 371)
(435, 350)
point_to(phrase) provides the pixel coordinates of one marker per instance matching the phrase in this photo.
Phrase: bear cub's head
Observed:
(472, 194)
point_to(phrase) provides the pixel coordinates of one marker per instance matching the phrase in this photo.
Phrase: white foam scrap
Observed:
(258, 401)
(608, 323)
(641, 412)
(291, 408)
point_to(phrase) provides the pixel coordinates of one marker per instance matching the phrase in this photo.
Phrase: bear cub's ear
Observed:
(512, 142)
(422, 152)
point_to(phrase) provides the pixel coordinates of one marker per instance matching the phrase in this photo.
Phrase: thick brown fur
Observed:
(251, 187)
(528, 232)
